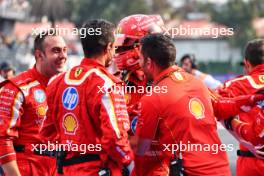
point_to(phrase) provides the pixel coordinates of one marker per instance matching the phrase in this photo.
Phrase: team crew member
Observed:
(183, 114)
(188, 64)
(129, 32)
(23, 106)
(84, 109)
(253, 81)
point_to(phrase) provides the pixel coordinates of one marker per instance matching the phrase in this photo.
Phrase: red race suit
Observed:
(23, 106)
(135, 87)
(245, 85)
(86, 107)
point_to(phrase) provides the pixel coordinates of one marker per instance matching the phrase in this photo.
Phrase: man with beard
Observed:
(85, 109)
(184, 114)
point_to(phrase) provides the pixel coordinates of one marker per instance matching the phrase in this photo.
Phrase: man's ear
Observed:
(38, 54)
(109, 46)
(248, 66)
(149, 63)
(247, 63)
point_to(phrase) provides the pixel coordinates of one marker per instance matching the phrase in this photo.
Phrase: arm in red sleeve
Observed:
(133, 112)
(251, 130)
(48, 130)
(114, 125)
(11, 100)
(145, 131)
(231, 88)
(225, 108)
(148, 121)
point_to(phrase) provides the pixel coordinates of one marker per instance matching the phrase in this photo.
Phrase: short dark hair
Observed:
(254, 52)
(159, 48)
(39, 40)
(192, 59)
(94, 45)
(5, 66)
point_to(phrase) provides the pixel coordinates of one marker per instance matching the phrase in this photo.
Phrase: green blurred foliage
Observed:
(236, 14)
(161, 7)
(79, 11)
(55, 10)
(113, 10)
(258, 7)
(217, 68)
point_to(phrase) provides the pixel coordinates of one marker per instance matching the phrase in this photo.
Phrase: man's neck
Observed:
(100, 60)
(156, 72)
(40, 71)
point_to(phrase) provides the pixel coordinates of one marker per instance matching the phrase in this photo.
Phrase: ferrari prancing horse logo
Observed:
(261, 78)
(78, 72)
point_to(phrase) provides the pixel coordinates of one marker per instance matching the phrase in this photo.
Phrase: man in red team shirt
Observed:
(23, 106)
(247, 163)
(86, 108)
(184, 114)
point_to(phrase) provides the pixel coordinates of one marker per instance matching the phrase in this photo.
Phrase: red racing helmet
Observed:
(128, 34)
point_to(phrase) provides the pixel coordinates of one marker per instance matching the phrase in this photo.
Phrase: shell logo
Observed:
(70, 124)
(41, 111)
(127, 98)
(196, 108)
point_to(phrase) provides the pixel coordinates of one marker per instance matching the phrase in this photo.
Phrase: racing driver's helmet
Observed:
(128, 34)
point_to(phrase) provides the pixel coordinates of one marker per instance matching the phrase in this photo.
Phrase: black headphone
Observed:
(191, 57)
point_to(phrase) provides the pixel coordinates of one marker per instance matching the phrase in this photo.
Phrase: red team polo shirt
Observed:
(184, 114)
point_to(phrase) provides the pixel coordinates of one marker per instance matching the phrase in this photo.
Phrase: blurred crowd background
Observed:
(217, 56)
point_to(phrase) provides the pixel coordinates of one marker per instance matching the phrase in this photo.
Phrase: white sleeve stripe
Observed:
(18, 101)
(108, 104)
(25, 88)
(250, 80)
(7, 155)
(108, 82)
